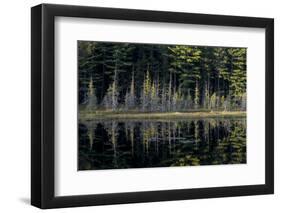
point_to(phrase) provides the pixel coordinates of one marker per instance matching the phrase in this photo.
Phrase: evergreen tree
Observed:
(163, 99)
(213, 101)
(196, 96)
(110, 100)
(154, 98)
(92, 100)
(169, 94)
(130, 98)
(145, 97)
(244, 102)
(186, 60)
(238, 75)
(189, 103)
(206, 98)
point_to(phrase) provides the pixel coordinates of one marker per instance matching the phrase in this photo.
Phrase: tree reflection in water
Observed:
(124, 144)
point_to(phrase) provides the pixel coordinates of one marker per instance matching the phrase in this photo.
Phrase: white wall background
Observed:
(15, 105)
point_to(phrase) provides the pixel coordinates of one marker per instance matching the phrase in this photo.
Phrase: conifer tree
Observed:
(145, 96)
(244, 102)
(163, 99)
(206, 98)
(213, 101)
(189, 101)
(92, 100)
(154, 98)
(169, 94)
(196, 96)
(130, 98)
(110, 100)
(238, 75)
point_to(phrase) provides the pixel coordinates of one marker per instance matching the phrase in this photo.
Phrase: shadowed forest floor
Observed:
(86, 115)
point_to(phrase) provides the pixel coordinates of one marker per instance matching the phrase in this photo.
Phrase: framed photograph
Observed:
(139, 106)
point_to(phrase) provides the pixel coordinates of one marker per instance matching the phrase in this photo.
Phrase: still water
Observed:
(117, 144)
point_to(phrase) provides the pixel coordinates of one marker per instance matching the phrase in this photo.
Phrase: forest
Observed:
(150, 78)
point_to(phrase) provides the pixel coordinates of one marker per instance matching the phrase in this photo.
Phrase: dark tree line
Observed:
(152, 77)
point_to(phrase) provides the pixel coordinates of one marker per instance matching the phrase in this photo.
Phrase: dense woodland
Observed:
(160, 78)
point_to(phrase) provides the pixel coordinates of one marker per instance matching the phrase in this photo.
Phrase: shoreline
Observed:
(103, 115)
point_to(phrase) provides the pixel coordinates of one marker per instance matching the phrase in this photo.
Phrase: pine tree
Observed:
(178, 101)
(154, 98)
(238, 75)
(169, 94)
(127, 100)
(196, 96)
(222, 103)
(189, 102)
(186, 60)
(145, 96)
(110, 100)
(206, 98)
(163, 99)
(244, 102)
(92, 100)
(130, 98)
(213, 101)
(175, 101)
(227, 104)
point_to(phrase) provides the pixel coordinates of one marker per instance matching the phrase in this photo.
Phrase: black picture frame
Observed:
(43, 102)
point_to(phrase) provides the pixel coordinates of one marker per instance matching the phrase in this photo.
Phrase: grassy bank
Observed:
(84, 115)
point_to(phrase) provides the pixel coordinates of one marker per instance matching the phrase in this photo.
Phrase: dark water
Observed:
(150, 143)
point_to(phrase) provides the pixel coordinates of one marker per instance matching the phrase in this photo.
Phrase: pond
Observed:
(121, 144)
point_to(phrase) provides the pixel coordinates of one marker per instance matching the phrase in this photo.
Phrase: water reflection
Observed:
(137, 144)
